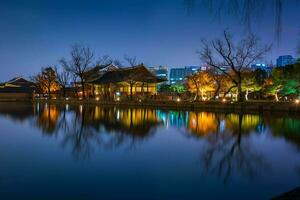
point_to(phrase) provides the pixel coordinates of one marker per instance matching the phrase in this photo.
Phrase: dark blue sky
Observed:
(37, 33)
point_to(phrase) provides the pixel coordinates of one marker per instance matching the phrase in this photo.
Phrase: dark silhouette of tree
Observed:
(232, 58)
(62, 79)
(246, 11)
(82, 58)
(131, 60)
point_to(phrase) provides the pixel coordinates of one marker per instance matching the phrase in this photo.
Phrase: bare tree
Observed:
(104, 60)
(82, 58)
(232, 58)
(132, 61)
(62, 79)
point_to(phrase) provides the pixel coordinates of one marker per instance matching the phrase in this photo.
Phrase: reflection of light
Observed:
(67, 107)
(118, 115)
(297, 101)
(222, 126)
(38, 107)
(80, 108)
(194, 122)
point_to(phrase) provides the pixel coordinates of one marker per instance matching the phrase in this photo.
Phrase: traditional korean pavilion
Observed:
(126, 83)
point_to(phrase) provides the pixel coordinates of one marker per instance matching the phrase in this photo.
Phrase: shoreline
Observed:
(248, 106)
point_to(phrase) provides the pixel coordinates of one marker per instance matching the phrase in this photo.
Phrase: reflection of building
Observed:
(137, 122)
(123, 82)
(178, 75)
(17, 88)
(285, 60)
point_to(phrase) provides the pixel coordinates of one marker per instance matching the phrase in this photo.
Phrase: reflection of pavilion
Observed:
(136, 122)
(18, 111)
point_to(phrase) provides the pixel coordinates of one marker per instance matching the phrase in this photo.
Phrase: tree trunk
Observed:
(276, 97)
(246, 95)
(217, 91)
(197, 92)
(240, 95)
(131, 86)
(143, 93)
(64, 92)
(49, 92)
(82, 88)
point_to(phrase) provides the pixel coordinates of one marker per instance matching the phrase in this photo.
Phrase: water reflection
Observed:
(226, 139)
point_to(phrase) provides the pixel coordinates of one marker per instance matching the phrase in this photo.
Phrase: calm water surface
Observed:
(93, 152)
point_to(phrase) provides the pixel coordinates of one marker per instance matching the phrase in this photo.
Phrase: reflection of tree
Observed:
(18, 111)
(226, 153)
(79, 136)
(286, 127)
(47, 118)
(107, 128)
(202, 123)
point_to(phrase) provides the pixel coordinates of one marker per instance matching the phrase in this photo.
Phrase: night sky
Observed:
(35, 34)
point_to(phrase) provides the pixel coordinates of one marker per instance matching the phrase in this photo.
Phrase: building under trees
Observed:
(126, 83)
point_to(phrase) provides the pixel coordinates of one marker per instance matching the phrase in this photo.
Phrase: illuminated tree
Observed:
(231, 58)
(249, 83)
(47, 81)
(178, 89)
(284, 81)
(200, 83)
(274, 84)
(220, 81)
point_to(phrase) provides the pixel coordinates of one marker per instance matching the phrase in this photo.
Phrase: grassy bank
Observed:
(257, 106)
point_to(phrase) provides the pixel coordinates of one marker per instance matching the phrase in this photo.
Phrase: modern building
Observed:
(261, 66)
(160, 72)
(179, 75)
(285, 60)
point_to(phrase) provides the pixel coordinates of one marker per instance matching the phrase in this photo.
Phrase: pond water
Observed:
(94, 152)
